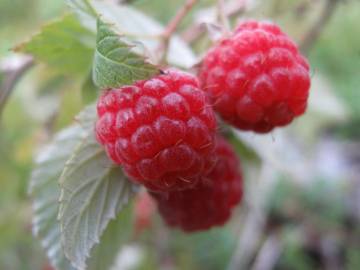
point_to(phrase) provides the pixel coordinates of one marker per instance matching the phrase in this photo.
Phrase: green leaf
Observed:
(45, 192)
(93, 191)
(138, 27)
(64, 44)
(114, 62)
(116, 234)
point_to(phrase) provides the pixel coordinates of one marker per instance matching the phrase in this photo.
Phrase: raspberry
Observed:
(161, 130)
(144, 209)
(256, 78)
(210, 202)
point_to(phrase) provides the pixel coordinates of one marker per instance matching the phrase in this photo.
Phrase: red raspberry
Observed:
(161, 130)
(210, 202)
(144, 209)
(257, 78)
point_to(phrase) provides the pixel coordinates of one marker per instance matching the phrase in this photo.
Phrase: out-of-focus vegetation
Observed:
(316, 222)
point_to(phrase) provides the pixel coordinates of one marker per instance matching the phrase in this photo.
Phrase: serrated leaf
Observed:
(142, 28)
(117, 233)
(114, 62)
(45, 192)
(64, 44)
(138, 27)
(93, 191)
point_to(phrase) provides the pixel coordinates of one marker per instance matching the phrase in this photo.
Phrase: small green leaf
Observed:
(64, 44)
(114, 62)
(138, 27)
(93, 191)
(45, 192)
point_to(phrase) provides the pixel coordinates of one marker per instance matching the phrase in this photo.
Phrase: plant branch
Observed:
(314, 32)
(269, 253)
(11, 69)
(254, 220)
(173, 25)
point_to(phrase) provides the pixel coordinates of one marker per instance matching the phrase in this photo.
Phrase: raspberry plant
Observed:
(153, 125)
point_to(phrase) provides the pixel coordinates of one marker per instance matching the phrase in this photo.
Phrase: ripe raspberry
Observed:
(210, 202)
(257, 79)
(161, 130)
(144, 209)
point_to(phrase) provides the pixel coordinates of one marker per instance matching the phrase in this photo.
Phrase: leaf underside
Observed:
(92, 192)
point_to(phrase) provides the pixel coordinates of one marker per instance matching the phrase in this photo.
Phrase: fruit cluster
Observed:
(163, 130)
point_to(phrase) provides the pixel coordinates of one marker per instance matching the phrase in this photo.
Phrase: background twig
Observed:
(269, 253)
(11, 69)
(313, 34)
(254, 221)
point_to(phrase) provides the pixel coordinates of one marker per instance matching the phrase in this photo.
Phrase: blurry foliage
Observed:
(337, 53)
(205, 250)
(59, 43)
(294, 257)
(321, 201)
(21, 18)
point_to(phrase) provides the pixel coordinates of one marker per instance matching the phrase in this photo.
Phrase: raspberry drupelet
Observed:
(257, 78)
(161, 130)
(210, 202)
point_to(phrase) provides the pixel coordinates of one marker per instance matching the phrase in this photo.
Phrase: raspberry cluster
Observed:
(162, 131)
(256, 77)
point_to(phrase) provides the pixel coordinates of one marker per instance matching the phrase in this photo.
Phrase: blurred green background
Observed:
(303, 217)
